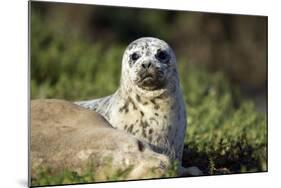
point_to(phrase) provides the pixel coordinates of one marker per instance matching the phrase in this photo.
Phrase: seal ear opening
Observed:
(141, 146)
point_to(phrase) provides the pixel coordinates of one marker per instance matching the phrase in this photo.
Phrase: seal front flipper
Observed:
(101, 105)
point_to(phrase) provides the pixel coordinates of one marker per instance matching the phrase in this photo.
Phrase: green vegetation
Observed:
(47, 176)
(225, 132)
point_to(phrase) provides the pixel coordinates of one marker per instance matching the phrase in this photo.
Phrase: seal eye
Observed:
(135, 56)
(162, 55)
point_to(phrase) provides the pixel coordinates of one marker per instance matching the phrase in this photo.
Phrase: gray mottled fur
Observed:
(153, 112)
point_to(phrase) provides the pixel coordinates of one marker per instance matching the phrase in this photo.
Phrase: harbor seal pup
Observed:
(66, 136)
(149, 102)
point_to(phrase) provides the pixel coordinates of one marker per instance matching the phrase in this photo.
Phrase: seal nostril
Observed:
(146, 65)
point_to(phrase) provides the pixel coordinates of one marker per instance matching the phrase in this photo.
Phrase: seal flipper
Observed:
(101, 105)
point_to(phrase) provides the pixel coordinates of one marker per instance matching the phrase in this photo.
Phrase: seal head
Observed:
(147, 66)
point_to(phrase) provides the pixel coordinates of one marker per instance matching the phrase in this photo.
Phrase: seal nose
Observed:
(146, 65)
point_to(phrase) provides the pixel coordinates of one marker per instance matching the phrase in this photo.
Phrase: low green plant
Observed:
(225, 134)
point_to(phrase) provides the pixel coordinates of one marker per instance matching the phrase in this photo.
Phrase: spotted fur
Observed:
(148, 102)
